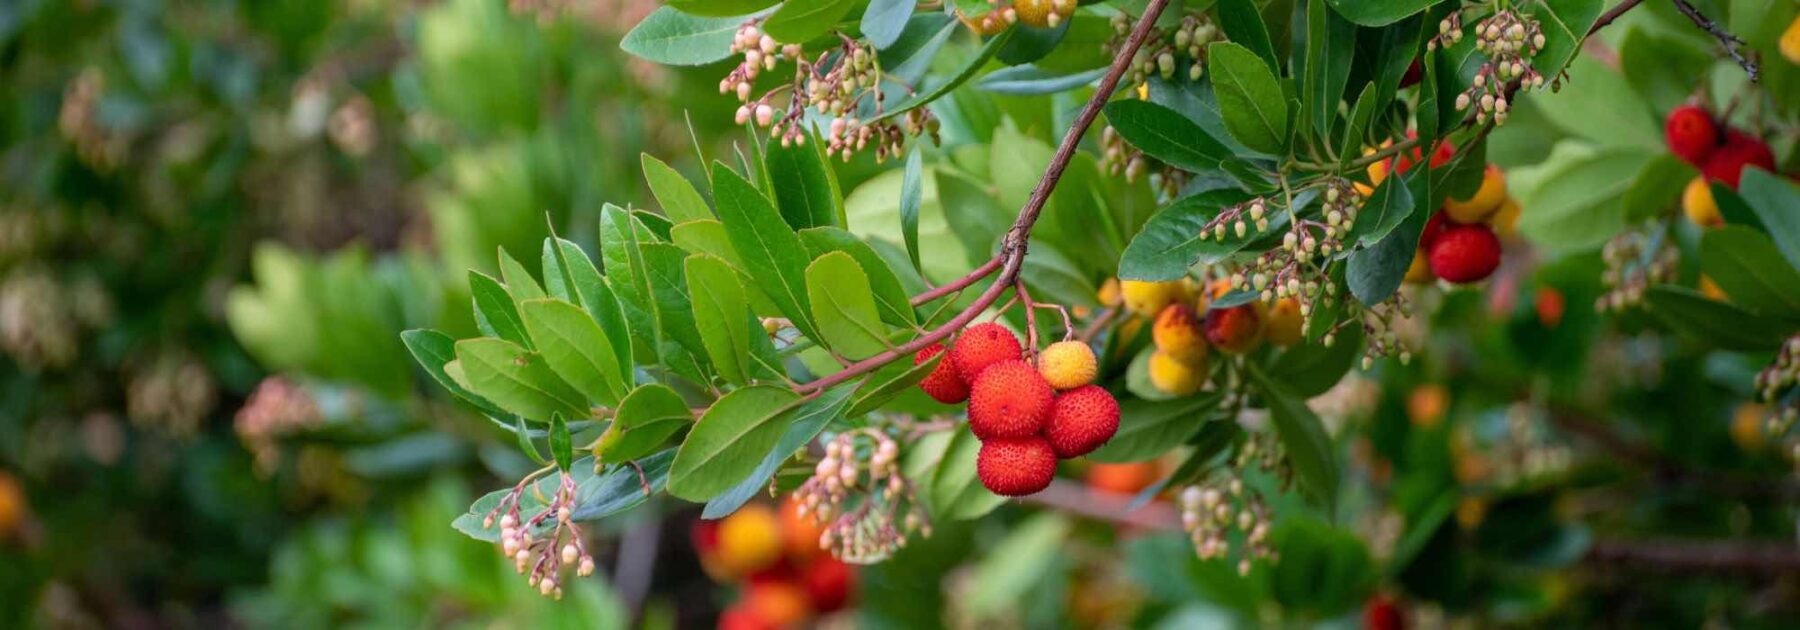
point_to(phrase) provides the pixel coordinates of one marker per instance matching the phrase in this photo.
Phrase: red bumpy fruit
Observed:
(1016, 467)
(1691, 134)
(980, 346)
(829, 583)
(1081, 420)
(1010, 400)
(1380, 613)
(1726, 164)
(942, 384)
(1464, 253)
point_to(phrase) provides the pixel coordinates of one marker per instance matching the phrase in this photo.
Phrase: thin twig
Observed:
(1726, 40)
(1012, 250)
(1772, 558)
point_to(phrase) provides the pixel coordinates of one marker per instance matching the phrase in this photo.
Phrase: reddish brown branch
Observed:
(1699, 556)
(1012, 249)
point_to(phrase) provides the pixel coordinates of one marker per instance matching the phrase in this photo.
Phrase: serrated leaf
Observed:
(809, 420)
(844, 306)
(1250, 97)
(516, 379)
(598, 299)
(721, 312)
(645, 419)
(434, 350)
(680, 201)
(730, 440)
(670, 37)
(574, 347)
(1303, 435)
(891, 297)
(772, 253)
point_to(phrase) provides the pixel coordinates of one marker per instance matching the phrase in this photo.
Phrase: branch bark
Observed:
(1729, 42)
(1699, 556)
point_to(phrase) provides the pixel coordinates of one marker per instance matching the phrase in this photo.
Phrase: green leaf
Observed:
(942, 465)
(1242, 22)
(804, 187)
(911, 190)
(677, 196)
(524, 437)
(888, 383)
(645, 419)
(680, 343)
(1657, 187)
(1311, 368)
(909, 57)
(1389, 206)
(1661, 68)
(1323, 572)
(800, 22)
(730, 440)
(1749, 268)
(673, 38)
(1029, 43)
(844, 306)
(1166, 135)
(933, 90)
(809, 420)
(602, 305)
(1379, 12)
(1250, 97)
(556, 275)
(721, 311)
(1030, 80)
(891, 297)
(519, 282)
(597, 495)
(1362, 114)
(574, 347)
(1020, 561)
(1565, 24)
(1150, 428)
(772, 253)
(560, 447)
(434, 350)
(1775, 202)
(1713, 323)
(1596, 103)
(625, 275)
(1170, 242)
(516, 379)
(1303, 435)
(1734, 209)
(1374, 273)
(884, 20)
(1574, 195)
(495, 312)
(721, 8)
(1330, 47)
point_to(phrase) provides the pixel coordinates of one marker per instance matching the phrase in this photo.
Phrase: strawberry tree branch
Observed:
(1011, 258)
(1726, 40)
(1663, 555)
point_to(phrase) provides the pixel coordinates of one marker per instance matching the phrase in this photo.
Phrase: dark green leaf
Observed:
(1748, 267)
(560, 447)
(800, 22)
(516, 380)
(1777, 203)
(884, 20)
(721, 313)
(811, 418)
(1242, 22)
(891, 297)
(1250, 98)
(433, 350)
(773, 254)
(911, 186)
(644, 421)
(805, 189)
(1379, 12)
(1303, 435)
(1657, 187)
(844, 307)
(601, 304)
(673, 38)
(1170, 242)
(1030, 80)
(1150, 428)
(1710, 322)
(1029, 43)
(1389, 206)
(677, 196)
(736, 433)
(932, 89)
(574, 347)
(1166, 135)
(1565, 24)
(1330, 47)
(1310, 368)
(909, 57)
(597, 496)
(721, 8)
(495, 312)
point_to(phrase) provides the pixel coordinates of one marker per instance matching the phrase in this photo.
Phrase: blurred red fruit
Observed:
(1465, 253)
(1726, 164)
(830, 583)
(1691, 134)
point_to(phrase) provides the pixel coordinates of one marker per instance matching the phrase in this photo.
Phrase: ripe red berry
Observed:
(1439, 157)
(1414, 72)
(1081, 420)
(1016, 467)
(942, 384)
(980, 346)
(829, 583)
(1380, 613)
(1691, 134)
(1010, 400)
(1727, 162)
(1465, 253)
(1433, 227)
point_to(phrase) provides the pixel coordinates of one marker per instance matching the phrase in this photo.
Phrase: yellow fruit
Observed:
(1470, 511)
(1149, 298)
(799, 532)
(1174, 376)
(1377, 172)
(1109, 293)
(1285, 325)
(749, 540)
(12, 504)
(1177, 334)
(1426, 405)
(1420, 270)
(1068, 364)
(1790, 42)
(1711, 289)
(1043, 13)
(1506, 220)
(990, 23)
(1697, 203)
(1747, 427)
(1486, 200)
(1471, 468)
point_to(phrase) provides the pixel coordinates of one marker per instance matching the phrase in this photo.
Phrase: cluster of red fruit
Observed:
(1695, 137)
(786, 579)
(1460, 243)
(1026, 417)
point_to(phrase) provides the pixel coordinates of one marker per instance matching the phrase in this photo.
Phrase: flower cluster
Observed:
(1166, 53)
(544, 542)
(1634, 261)
(843, 83)
(1778, 386)
(857, 492)
(1297, 268)
(79, 120)
(276, 408)
(1217, 510)
(173, 393)
(1119, 158)
(1510, 40)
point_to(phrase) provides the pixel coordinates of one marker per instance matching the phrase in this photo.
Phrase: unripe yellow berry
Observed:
(1790, 42)
(1506, 221)
(1068, 364)
(1420, 270)
(1697, 203)
(1149, 298)
(1285, 325)
(1177, 334)
(1747, 427)
(1174, 376)
(1486, 200)
(749, 540)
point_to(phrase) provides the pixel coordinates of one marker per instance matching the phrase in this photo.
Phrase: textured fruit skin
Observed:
(1234, 330)
(830, 584)
(1038, 13)
(1691, 134)
(1285, 325)
(1465, 253)
(1149, 298)
(1081, 420)
(1380, 613)
(1068, 364)
(1419, 272)
(1175, 377)
(1125, 479)
(1177, 333)
(1016, 467)
(980, 346)
(1697, 203)
(749, 540)
(1727, 163)
(1484, 203)
(942, 384)
(1010, 400)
